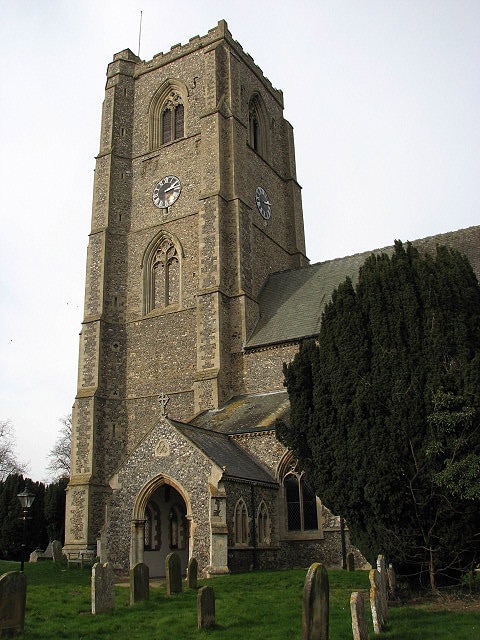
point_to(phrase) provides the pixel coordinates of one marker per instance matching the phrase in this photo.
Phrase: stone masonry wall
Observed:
(142, 472)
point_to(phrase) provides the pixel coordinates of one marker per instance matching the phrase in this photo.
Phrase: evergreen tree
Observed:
(55, 509)
(365, 413)
(11, 523)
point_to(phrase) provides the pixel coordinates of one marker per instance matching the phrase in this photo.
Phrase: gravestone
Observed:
(315, 604)
(139, 583)
(376, 601)
(382, 570)
(392, 581)
(192, 574)
(52, 552)
(36, 555)
(350, 562)
(359, 619)
(57, 553)
(206, 607)
(103, 588)
(13, 596)
(173, 573)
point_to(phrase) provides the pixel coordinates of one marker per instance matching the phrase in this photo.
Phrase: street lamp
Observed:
(26, 500)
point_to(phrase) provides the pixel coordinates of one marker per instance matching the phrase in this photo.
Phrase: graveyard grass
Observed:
(259, 605)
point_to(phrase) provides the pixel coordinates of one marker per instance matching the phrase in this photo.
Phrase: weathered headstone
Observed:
(13, 596)
(315, 604)
(139, 583)
(376, 601)
(52, 552)
(173, 573)
(206, 607)
(382, 570)
(192, 574)
(36, 555)
(57, 553)
(359, 619)
(103, 588)
(392, 581)
(350, 562)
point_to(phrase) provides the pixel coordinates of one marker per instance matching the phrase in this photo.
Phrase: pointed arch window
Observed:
(257, 129)
(149, 524)
(172, 118)
(263, 524)
(301, 503)
(167, 114)
(241, 532)
(177, 528)
(162, 274)
(152, 531)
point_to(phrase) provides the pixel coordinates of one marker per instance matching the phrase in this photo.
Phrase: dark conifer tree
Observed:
(365, 414)
(55, 509)
(11, 524)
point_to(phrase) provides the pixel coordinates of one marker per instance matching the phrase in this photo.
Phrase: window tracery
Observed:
(162, 274)
(167, 114)
(241, 533)
(257, 129)
(263, 524)
(172, 118)
(148, 528)
(301, 503)
(177, 528)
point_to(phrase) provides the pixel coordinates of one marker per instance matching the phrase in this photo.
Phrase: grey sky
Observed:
(383, 97)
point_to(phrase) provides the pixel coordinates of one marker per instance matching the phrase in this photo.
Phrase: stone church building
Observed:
(198, 288)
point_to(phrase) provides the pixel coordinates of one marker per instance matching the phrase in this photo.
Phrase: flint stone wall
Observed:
(143, 466)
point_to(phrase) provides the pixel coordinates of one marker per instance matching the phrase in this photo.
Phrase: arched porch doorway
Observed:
(161, 525)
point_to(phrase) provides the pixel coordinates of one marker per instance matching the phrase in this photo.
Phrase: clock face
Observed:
(166, 192)
(263, 203)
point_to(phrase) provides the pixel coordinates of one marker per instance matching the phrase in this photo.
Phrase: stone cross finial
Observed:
(163, 400)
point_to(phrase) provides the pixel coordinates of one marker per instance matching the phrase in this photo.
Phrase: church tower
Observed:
(195, 204)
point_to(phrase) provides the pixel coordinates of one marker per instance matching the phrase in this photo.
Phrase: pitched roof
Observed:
(243, 414)
(291, 303)
(223, 451)
(291, 306)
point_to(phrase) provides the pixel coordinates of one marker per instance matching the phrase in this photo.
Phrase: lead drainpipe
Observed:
(254, 528)
(344, 546)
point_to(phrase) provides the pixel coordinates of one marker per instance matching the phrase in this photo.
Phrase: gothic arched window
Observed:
(167, 114)
(177, 528)
(172, 118)
(257, 129)
(241, 523)
(149, 524)
(152, 534)
(162, 273)
(301, 503)
(263, 524)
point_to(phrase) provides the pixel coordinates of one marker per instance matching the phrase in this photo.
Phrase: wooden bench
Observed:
(80, 558)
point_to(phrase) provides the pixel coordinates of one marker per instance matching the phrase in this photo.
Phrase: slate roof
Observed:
(222, 450)
(292, 302)
(291, 305)
(244, 414)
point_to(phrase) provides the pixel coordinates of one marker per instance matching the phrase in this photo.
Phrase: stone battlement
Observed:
(214, 35)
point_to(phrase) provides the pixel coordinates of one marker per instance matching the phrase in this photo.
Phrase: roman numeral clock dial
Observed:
(166, 192)
(263, 203)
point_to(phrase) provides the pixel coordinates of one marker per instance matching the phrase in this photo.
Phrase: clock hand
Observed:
(268, 203)
(174, 186)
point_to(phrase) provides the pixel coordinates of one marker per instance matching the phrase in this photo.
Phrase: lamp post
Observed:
(26, 500)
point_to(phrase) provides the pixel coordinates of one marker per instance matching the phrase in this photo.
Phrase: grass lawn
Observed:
(263, 605)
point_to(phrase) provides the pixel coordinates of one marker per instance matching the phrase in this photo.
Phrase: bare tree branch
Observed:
(59, 455)
(8, 460)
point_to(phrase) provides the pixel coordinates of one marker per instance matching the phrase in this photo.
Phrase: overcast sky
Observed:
(383, 95)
